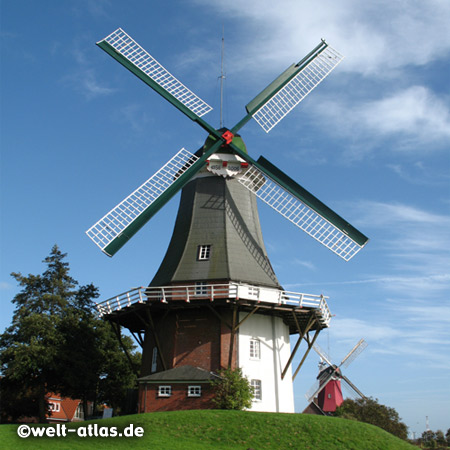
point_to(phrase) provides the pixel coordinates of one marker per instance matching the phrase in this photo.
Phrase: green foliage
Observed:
(435, 439)
(56, 343)
(368, 410)
(227, 430)
(232, 390)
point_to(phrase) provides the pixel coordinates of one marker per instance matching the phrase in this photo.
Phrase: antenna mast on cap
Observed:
(222, 77)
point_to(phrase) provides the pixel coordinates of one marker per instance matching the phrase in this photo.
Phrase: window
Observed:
(164, 391)
(255, 348)
(256, 385)
(201, 288)
(154, 359)
(194, 391)
(204, 252)
(54, 407)
(79, 413)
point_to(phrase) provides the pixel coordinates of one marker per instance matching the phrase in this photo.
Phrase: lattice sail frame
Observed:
(282, 103)
(297, 212)
(110, 226)
(140, 58)
(354, 352)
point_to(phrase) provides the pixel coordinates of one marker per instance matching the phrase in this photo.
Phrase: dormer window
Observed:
(204, 252)
(54, 407)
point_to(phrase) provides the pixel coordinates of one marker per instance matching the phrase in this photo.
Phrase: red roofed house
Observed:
(64, 409)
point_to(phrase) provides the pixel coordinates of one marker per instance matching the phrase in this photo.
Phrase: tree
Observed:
(440, 438)
(90, 347)
(428, 439)
(368, 410)
(56, 343)
(232, 390)
(434, 439)
(29, 346)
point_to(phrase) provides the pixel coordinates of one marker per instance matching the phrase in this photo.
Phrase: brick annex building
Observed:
(215, 302)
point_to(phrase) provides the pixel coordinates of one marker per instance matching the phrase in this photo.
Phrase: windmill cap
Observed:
(237, 141)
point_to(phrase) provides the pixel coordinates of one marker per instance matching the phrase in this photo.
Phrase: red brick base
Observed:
(149, 401)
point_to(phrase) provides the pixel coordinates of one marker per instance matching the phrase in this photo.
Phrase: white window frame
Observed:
(164, 391)
(257, 390)
(194, 391)
(79, 413)
(204, 252)
(54, 407)
(201, 288)
(255, 349)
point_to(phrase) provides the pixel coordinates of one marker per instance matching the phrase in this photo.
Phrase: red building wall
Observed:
(331, 396)
(149, 401)
(195, 337)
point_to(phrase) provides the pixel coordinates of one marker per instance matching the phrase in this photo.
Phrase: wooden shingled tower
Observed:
(215, 301)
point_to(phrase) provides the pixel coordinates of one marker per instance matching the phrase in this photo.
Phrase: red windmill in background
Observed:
(326, 394)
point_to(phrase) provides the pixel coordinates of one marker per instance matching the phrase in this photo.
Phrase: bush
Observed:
(232, 390)
(368, 410)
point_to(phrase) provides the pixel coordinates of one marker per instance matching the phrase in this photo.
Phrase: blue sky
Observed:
(79, 133)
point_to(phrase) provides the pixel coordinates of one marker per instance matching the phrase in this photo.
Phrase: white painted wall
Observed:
(277, 394)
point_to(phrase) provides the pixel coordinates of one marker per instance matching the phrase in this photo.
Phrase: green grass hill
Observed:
(218, 430)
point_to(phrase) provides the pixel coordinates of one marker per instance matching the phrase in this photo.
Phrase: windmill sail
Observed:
(292, 86)
(131, 55)
(351, 387)
(324, 356)
(114, 229)
(318, 386)
(354, 352)
(303, 209)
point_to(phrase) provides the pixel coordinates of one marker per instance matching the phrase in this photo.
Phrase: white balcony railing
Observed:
(213, 292)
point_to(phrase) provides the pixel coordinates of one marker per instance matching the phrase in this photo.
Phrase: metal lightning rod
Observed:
(222, 77)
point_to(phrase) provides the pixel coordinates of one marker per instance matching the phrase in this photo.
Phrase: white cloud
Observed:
(414, 242)
(414, 119)
(417, 332)
(91, 85)
(308, 264)
(5, 286)
(382, 41)
(135, 116)
(415, 111)
(351, 330)
(383, 214)
(99, 8)
(377, 37)
(85, 81)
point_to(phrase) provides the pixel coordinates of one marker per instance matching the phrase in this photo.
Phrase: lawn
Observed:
(216, 430)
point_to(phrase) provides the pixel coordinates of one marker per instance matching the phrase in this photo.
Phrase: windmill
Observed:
(326, 393)
(216, 283)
